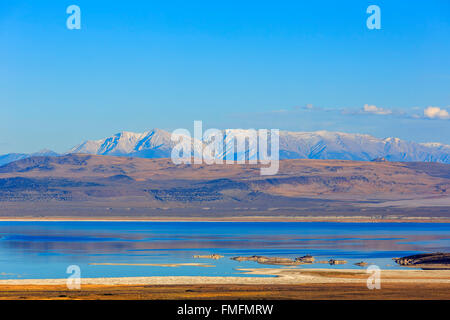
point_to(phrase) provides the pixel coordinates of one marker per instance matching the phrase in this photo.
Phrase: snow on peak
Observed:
(156, 143)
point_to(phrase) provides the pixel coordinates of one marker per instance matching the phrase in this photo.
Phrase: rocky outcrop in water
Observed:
(209, 256)
(361, 264)
(335, 261)
(426, 261)
(305, 259)
(277, 260)
(269, 260)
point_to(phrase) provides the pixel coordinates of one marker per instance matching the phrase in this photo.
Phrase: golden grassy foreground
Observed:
(287, 284)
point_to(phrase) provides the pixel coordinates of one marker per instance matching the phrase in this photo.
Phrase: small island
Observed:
(361, 264)
(209, 256)
(426, 261)
(269, 260)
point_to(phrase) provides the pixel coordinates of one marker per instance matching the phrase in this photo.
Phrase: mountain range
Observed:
(157, 143)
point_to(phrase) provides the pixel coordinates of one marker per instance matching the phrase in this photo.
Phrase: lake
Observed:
(31, 250)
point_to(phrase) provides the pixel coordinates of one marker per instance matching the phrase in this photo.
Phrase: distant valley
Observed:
(80, 185)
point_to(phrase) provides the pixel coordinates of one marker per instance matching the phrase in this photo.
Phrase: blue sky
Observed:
(294, 65)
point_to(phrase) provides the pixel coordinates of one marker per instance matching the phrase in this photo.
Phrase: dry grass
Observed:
(330, 291)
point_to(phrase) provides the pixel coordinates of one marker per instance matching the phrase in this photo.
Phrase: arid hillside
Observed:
(106, 186)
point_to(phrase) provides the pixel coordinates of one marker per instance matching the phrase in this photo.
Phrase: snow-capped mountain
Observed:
(157, 143)
(293, 145)
(347, 146)
(151, 144)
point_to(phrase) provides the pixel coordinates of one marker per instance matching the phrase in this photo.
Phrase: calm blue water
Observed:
(46, 249)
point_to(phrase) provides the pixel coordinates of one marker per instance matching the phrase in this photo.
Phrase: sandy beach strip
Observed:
(317, 284)
(268, 276)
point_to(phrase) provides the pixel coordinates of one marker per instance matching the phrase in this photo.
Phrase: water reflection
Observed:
(43, 249)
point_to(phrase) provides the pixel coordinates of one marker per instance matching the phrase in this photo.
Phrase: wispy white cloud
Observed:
(375, 110)
(430, 113)
(436, 113)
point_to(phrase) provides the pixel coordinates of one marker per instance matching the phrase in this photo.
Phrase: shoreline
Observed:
(345, 219)
(326, 284)
(267, 276)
